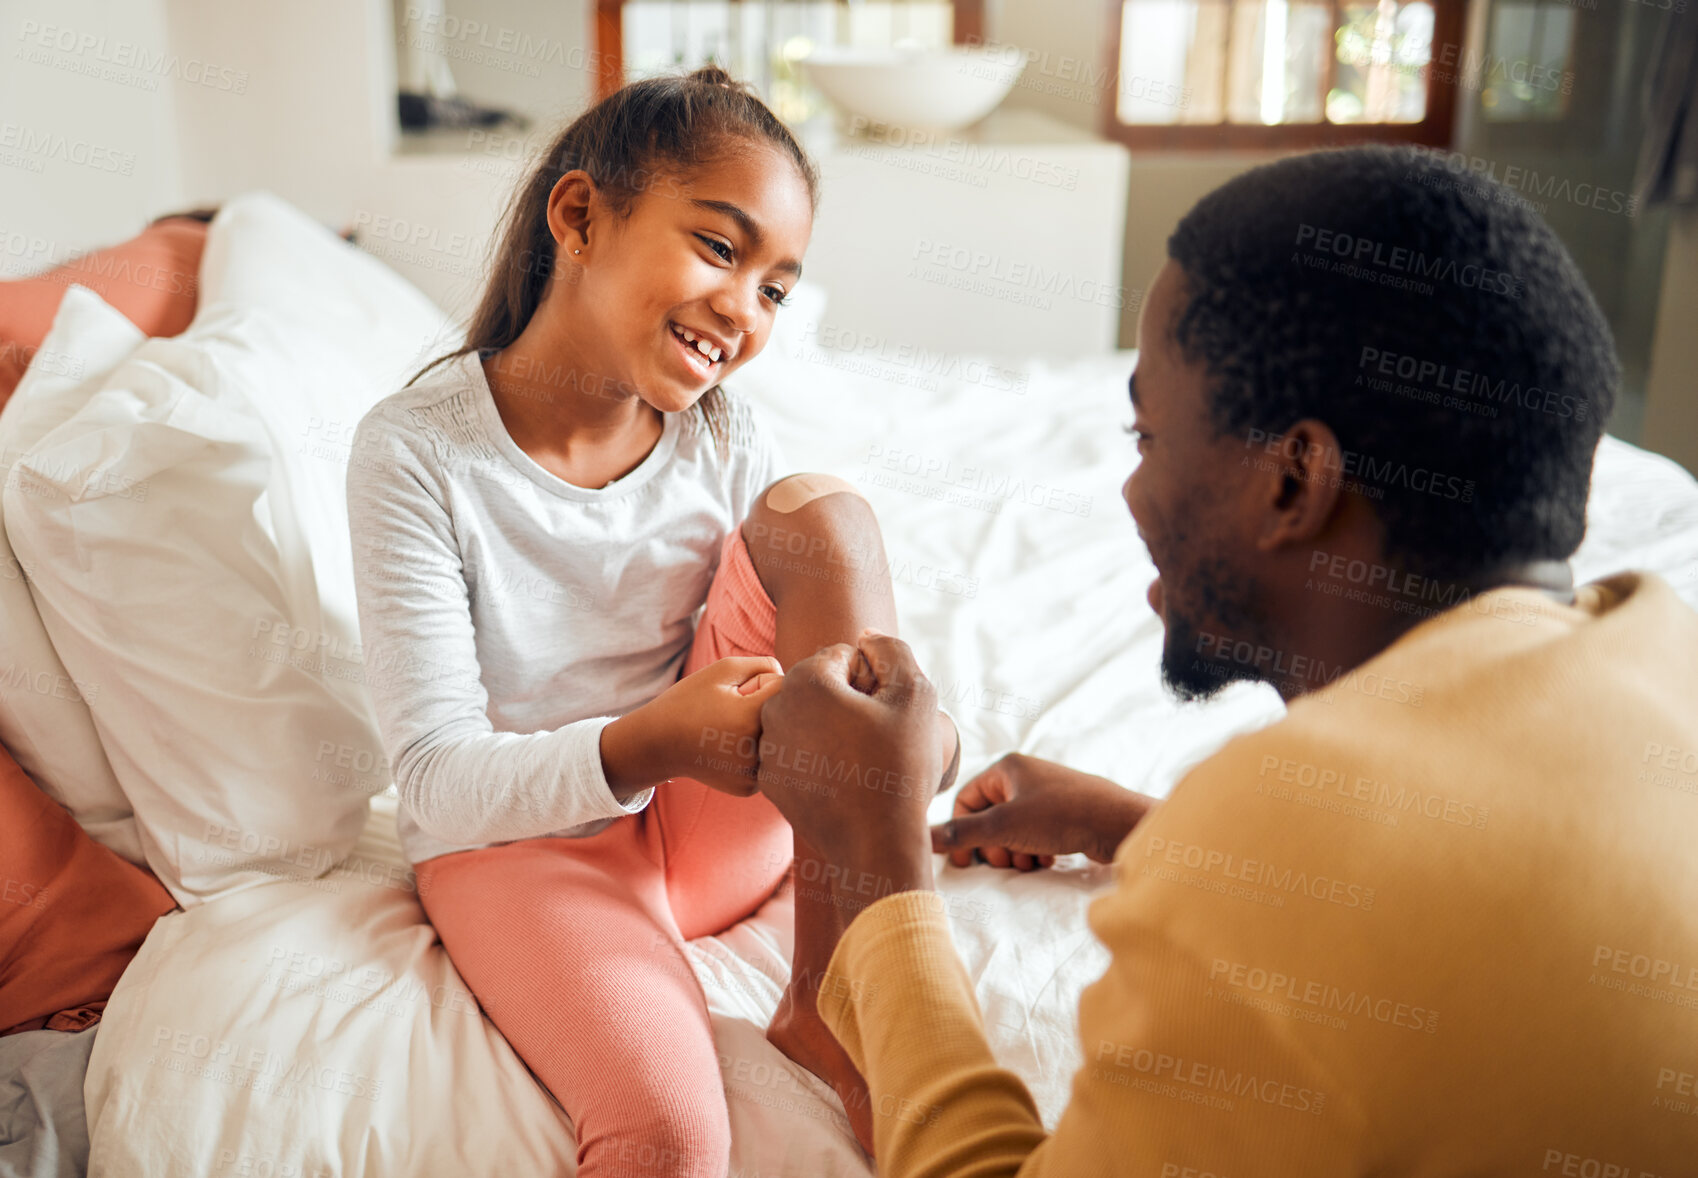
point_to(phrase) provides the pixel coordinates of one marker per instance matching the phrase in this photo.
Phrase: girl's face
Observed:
(681, 291)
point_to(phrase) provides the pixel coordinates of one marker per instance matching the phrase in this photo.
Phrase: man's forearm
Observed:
(901, 864)
(898, 999)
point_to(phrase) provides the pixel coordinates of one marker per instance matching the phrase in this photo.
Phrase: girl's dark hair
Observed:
(627, 142)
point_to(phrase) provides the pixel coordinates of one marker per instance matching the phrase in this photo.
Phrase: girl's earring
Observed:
(577, 251)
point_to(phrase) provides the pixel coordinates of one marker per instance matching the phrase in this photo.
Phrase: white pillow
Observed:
(262, 252)
(365, 331)
(166, 556)
(44, 721)
(190, 535)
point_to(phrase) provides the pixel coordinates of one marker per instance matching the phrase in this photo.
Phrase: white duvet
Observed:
(317, 1029)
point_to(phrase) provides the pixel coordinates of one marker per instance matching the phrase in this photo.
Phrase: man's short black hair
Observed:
(1431, 319)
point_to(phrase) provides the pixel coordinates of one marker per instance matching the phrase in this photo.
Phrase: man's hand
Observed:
(1023, 811)
(853, 769)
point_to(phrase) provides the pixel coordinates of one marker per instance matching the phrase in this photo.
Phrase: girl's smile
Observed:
(704, 352)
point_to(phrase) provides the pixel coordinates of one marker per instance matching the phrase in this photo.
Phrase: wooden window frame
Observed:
(1435, 129)
(969, 25)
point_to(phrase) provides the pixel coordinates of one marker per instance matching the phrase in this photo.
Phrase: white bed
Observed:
(315, 1028)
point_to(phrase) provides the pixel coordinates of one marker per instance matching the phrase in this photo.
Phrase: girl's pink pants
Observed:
(574, 947)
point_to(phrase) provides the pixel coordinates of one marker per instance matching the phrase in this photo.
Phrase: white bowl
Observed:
(925, 89)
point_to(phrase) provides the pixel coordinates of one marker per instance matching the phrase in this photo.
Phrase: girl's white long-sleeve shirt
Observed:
(506, 615)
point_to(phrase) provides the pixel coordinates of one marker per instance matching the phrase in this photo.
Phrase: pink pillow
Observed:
(152, 279)
(72, 913)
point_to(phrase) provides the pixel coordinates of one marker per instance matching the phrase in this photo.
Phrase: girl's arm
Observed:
(463, 783)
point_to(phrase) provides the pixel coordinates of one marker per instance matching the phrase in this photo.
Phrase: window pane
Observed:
(917, 25)
(1308, 37)
(660, 37)
(763, 42)
(1277, 62)
(1383, 51)
(1172, 61)
(1525, 73)
(1265, 61)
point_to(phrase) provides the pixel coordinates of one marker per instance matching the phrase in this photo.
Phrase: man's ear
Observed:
(1300, 476)
(570, 204)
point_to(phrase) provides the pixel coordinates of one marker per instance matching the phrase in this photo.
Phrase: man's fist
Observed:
(849, 750)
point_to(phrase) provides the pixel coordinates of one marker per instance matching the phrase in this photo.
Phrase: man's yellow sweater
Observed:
(1447, 926)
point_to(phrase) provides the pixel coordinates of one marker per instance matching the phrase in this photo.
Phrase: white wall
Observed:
(88, 144)
(232, 95)
(317, 124)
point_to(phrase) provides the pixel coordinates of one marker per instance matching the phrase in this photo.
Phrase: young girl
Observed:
(547, 511)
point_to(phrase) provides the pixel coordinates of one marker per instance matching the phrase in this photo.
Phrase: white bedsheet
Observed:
(318, 1029)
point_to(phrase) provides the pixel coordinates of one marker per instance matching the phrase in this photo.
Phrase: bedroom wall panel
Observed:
(88, 135)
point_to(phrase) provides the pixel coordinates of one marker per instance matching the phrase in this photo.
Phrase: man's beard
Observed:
(1191, 668)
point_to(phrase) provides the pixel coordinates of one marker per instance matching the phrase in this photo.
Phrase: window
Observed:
(1524, 75)
(1283, 73)
(761, 41)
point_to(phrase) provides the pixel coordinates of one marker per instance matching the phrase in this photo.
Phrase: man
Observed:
(1440, 919)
